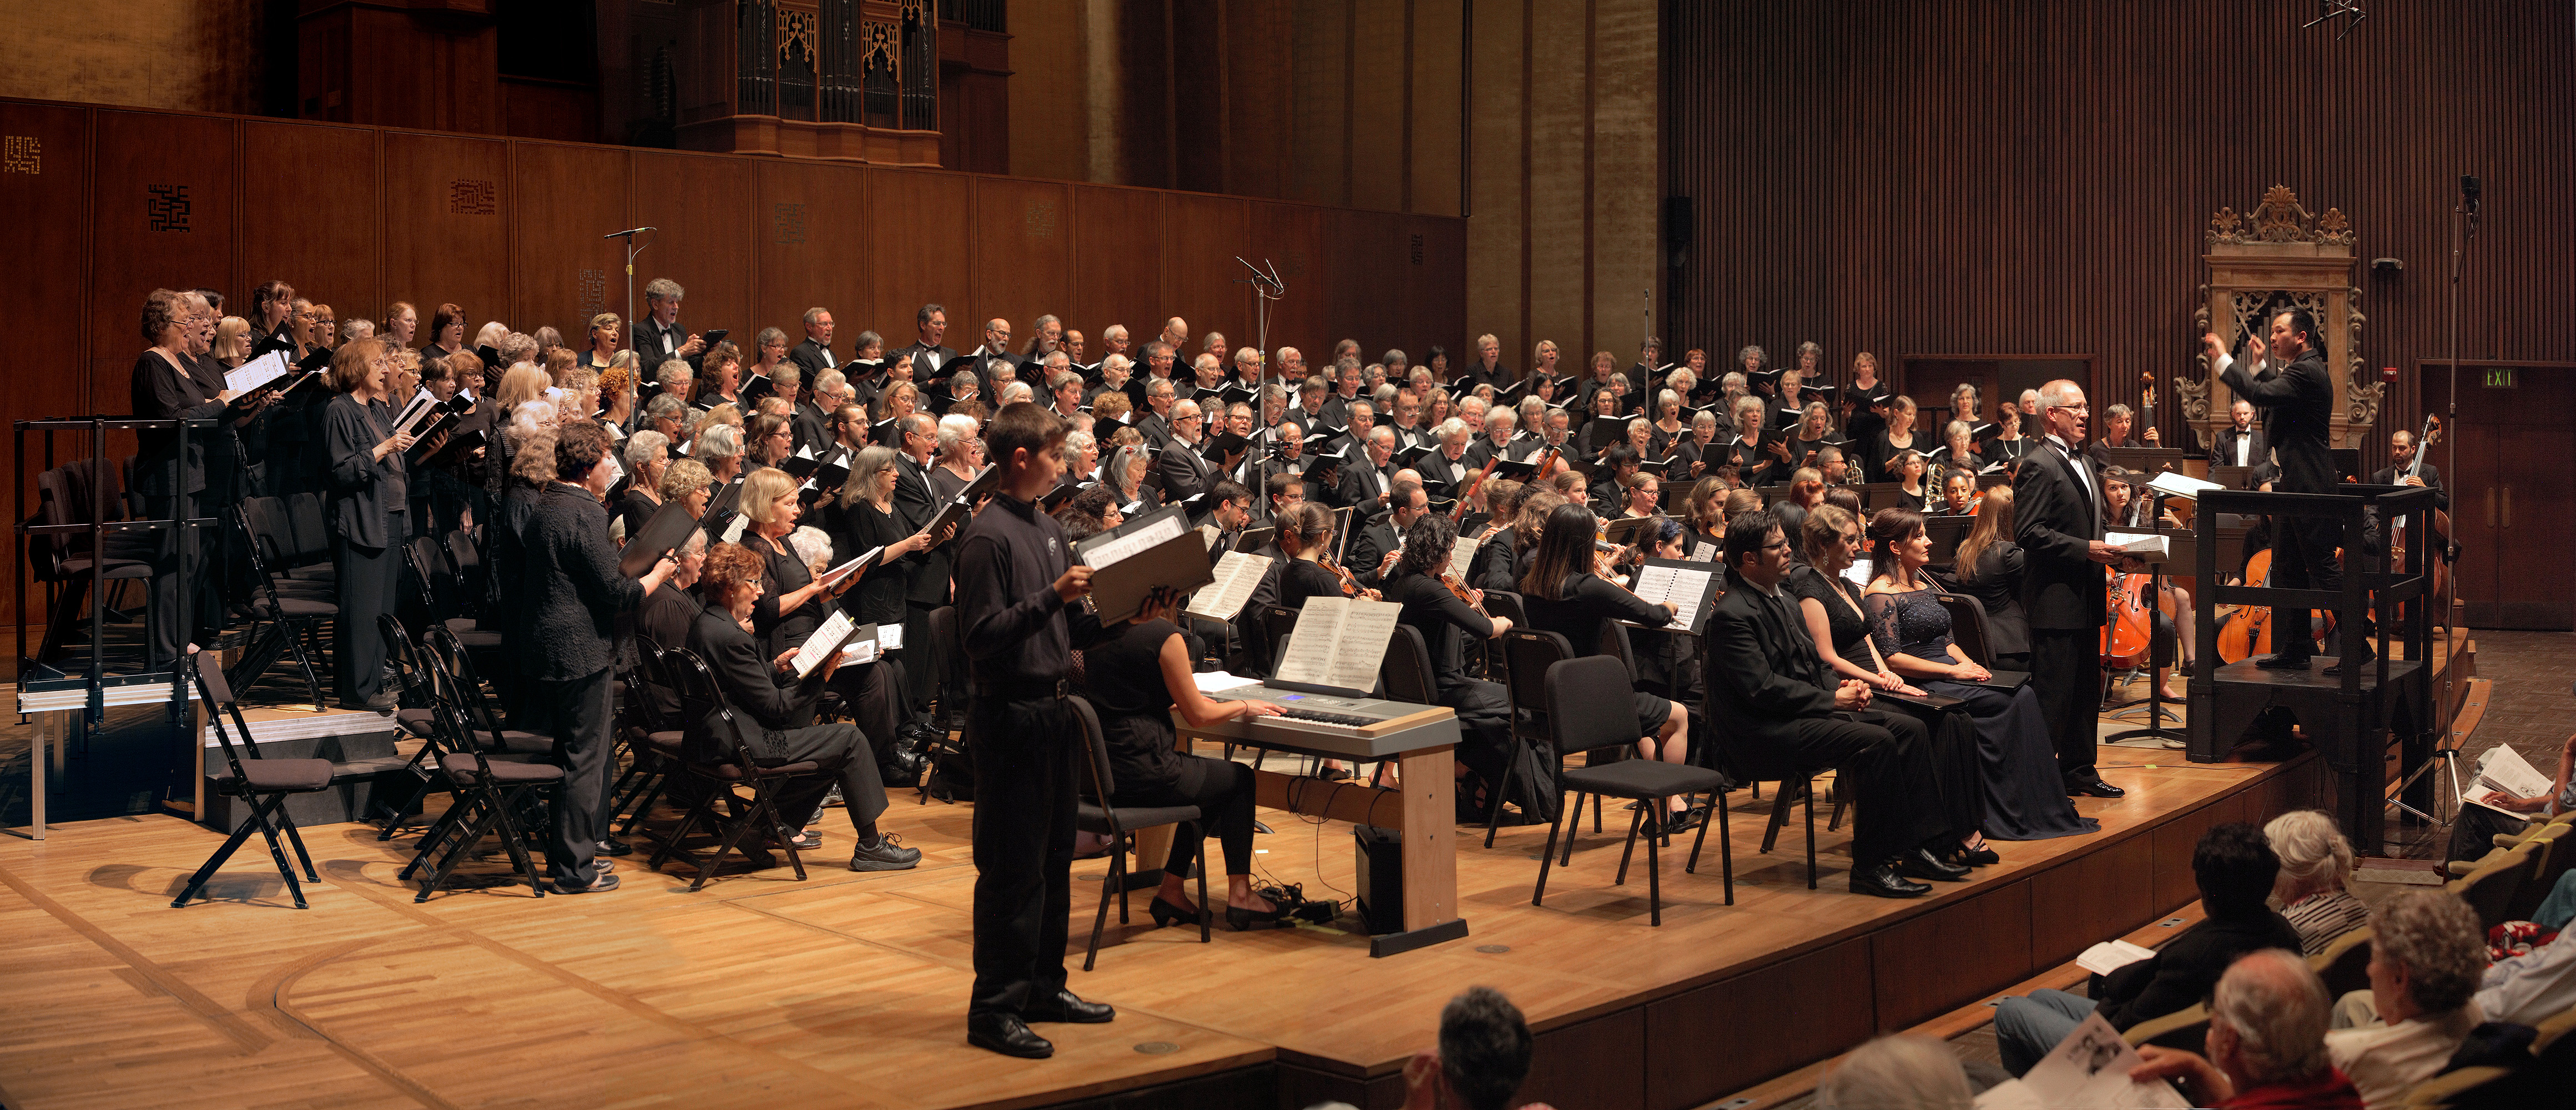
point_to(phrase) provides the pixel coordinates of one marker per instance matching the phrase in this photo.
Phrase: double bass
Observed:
(2438, 561)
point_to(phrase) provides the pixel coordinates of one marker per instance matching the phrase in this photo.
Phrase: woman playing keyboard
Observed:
(1137, 678)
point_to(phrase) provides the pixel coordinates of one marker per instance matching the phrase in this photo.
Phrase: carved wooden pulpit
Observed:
(2277, 257)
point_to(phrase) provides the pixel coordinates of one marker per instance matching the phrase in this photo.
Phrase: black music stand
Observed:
(2183, 545)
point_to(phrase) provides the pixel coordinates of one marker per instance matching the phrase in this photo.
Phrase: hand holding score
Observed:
(399, 441)
(1073, 583)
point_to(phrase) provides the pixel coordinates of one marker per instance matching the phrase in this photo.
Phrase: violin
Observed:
(1475, 599)
(1350, 585)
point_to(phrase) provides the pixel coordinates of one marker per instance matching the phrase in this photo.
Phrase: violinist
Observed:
(1445, 619)
(1305, 539)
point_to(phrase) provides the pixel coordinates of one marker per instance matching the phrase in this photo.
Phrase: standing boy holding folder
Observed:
(1015, 581)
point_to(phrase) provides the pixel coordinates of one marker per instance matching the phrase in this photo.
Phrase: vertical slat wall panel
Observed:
(2037, 177)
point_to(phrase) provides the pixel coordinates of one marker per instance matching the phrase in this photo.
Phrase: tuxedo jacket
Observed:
(917, 503)
(2056, 518)
(1763, 672)
(2223, 450)
(654, 344)
(1185, 474)
(2297, 402)
(921, 369)
(813, 358)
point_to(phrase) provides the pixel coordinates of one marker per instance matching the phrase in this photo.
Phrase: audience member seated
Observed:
(1481, 1060)
(2266, 1046)
(1897, 1073)
(2537, 985)
(1136, 679)
(2426, 952)
(2314, 860)
(2475, 831)
(2234, 868)
(776, 711)
(1767, 690)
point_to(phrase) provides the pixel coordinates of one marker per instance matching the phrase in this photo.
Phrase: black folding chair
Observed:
(1529, 652)
(261, 783)
(652, 737)
(721, 758)
(63, 561)
(489, 793)
(1747, 764)
(294, 623)
(947, 652)
(1096, 815)
(1589, 709)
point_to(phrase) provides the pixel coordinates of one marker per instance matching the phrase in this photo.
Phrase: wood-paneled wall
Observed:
(2032, 177)
(510, 229)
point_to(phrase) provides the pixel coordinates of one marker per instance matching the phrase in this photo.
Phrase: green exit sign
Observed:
(2499, 377)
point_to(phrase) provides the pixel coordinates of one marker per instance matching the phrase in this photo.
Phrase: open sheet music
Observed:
(1339, 642)
(1686, 585)
(833, 576)
(830, 637)
(1237, 575)
(1157, 550)
(1462, 555)
(416, 413)
(258, 373)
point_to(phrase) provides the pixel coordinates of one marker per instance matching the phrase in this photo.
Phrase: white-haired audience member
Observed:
(2427, 950)
(2266, 1045)
(2314, 860)
(1897, 1073)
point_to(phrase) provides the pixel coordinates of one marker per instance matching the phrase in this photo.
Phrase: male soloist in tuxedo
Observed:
(1769, 690)
(815, 353)
(2057, 513)
(915, 440)
(1185, 474)
(659, 337)
(2297, 399)
(2240, 443)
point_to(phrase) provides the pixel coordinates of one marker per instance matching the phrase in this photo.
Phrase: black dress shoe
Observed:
(615, 848)
(1008, 1035)
(2285, 662)
(1882, 881)
(1922, 864)
(1065, 1007)
(2094, 788)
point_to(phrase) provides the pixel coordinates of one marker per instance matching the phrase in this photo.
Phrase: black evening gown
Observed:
(2025, 797)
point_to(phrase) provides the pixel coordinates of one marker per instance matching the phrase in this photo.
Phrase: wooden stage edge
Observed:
(849, 989)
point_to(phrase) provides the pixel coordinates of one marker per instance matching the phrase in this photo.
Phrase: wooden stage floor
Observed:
(849, 990)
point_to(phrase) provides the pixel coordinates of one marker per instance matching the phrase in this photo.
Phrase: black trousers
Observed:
(1024, 807)
(167, 626)
(370, 580)
(580, 714)
(1484, 728)
(2066, 666)
(2303, 558)
(1887, 760)
(1222, 789)
(920, 669)
(847, 761)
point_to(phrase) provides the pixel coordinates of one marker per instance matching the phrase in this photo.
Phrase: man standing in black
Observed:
(2057, 515)
(2296, 396)
(1769, 689)
(1015, 579)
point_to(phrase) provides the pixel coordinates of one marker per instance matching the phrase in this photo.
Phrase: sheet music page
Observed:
(1461, 555)
(835, 574)
(1108, 553)
(1308, 655)
(823, 642)
(414, 411)
(890, 637)
(1237, 575)
(1703, 553)
(1359, 645)
(733, 531)
(258, 372)
(864, 647)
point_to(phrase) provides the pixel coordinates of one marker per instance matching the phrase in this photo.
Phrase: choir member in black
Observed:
(1906, 470)
(2296, 396)
(1806, 491)
(1136, 680)
(669, 610)
(1990, 569)
(170, 383)
(1697, 454)
(1704, 519)
(1445, 622)
(960, 458)
(1015, 581)
(563, 641)
(777, 710)
(900, 402)
(865, 517)
(2008, 444)
(1815, 431)
(1959, 448)
(648, 458)
(369, 516)
(1897, 438)
(1769, 690)
(1761, 454)
(1605, 430)
(1566, 589)
(1910, 628)
(793, 601)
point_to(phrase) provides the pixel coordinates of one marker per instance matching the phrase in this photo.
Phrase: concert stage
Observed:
(849, 990)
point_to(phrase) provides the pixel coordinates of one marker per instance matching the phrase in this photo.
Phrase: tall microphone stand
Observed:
(1266, 287)
(631, 251)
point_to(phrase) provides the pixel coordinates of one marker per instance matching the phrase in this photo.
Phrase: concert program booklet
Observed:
(1338, 642)
(1689, 586)
(1236, 576)
(2090, 1068)
(1157, 550)
(2503, 769)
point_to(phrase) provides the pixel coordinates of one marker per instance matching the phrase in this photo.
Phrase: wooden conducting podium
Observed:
(1419, 738)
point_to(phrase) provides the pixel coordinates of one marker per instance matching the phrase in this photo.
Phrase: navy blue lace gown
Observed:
(2025, 797)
